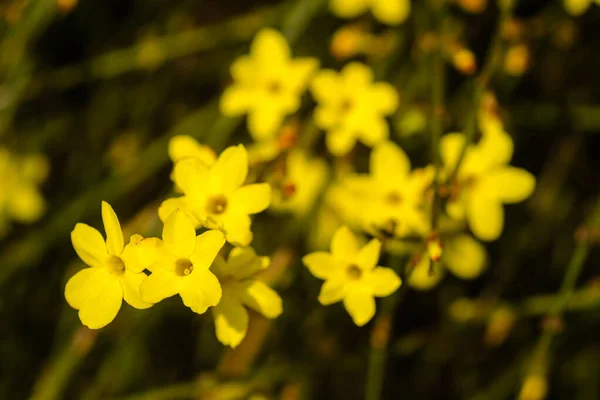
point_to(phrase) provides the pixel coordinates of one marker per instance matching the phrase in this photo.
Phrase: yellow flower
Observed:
(390, 12)
(267, 84)
(20, 197)
(578, 7)
(352, 107)
(304, 180)
(240, 290)
(214, 195)
(180, 264)
(184, 146)
(115, 272)
(484, 182)
(394, 194)
(351, 275)
(465, 257)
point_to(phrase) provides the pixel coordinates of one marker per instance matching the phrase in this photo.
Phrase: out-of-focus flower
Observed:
(303, 180)
(214, 195)
(578, 7)
(484, 182)
(397, 201)
(184, 146)
(20, 197)
(390, 12)
(267, 84)
(516, 60)
(463, 256)
(472, 6)
(115, 274)
(351, 275)
(349, 41)
(464, 61)
(352, 107)
(180, 264)
(241, 289)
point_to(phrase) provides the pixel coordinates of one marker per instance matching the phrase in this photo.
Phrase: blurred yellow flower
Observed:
(180, 264)
(394, 194)
(267, 84)
(465, 257)
(184, 146)
(241, 289)
(390, 12)
(115, 274)
(351, 275)
(214, 195)
(352, 107)
(304, 179)
(20, 197)
(484, 182)
(578, 7)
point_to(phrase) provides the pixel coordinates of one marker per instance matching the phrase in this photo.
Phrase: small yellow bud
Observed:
(347, 42)
(464, 61)
(473, 6)
(499, 326)
(516, 60)
(66, 5)
(434, 247)
(535, 387)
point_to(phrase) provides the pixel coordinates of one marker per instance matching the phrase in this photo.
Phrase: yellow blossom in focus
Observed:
(351, 275)
(304, 179)
(20, 197)
(180, 264)
(240, 290)
(393, 193)
(115, 274)
(578, 7)
(352, 107)
(484, 182)
(214, 195)
(463, 256)
(267, 84)
(390, 12)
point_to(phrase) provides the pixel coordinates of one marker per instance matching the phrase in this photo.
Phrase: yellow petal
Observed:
(389, 160)
(191, 176)
(321, 264)
(332, 291)
(391, 12)
(464, 257)
(325, 86)
(230, 170)
(159, 286)
(300, 71)
(349, 8)
(148, 252)
(26, 204)
(81, 285)
(384, 98)
(340, 141)
(485, 216)
(356, 75)
(373, 130)
(252, 199)
(103, 301)
(231, 321)
(576, 7)
(259, 297)
(270, 49)
(237, 229)
(207, 247)
(114, 234)
(421, 279)
(496, 148)
(383, 281)
(325, 117)
(344, 244)
(368, 256)
(450, 148)
(200, 290)
(509, 184)
(360, 304)
(242, 263)
(185, 203)
(179, 234)
(264, 121)
(184, 146)
(131, 282)
(89, 245)
(242, 70)
(130, 255)
(236, 100)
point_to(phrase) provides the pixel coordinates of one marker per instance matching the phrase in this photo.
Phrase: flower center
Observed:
(274, 87)
(354, 272)
(183, 267)
(393, 198)
(115, 265)
(216, 204)
(346, 106)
